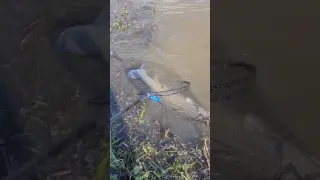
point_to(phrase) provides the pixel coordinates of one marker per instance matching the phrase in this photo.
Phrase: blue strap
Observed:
(154, 98)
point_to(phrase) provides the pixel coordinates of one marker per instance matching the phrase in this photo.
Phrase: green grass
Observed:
(147, 160)
(122, 161)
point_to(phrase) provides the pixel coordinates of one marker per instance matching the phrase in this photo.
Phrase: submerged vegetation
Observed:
(122, 23)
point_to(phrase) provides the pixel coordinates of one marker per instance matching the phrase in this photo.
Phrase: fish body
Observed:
(175, 101)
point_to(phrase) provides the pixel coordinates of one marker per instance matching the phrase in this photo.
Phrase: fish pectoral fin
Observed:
(177, 108)
(165, 106)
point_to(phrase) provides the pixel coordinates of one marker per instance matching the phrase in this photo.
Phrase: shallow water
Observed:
(173, 43)
(182, 38)
(175, 38)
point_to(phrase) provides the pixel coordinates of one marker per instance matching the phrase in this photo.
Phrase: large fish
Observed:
(175, 101)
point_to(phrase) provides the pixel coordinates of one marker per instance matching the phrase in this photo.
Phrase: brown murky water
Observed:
(182, 39)
(179, 49)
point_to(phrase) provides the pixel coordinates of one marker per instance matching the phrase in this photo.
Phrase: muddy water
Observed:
(178, 49)
(181, 43)
(182, 38)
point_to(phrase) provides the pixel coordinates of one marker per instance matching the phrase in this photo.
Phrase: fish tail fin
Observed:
(136, 73)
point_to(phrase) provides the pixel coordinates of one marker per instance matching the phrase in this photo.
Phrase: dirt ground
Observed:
(53, 89)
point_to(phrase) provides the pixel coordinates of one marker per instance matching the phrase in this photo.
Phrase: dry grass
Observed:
(143, 158)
